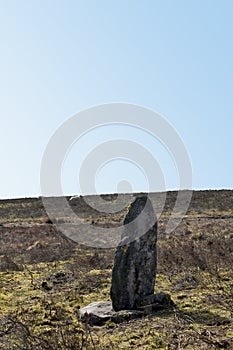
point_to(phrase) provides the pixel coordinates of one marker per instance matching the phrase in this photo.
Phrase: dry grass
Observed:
(45, 278)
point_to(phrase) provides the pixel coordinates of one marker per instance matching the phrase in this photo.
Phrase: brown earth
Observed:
(45, 277)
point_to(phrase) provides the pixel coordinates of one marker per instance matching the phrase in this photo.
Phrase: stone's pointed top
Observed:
(140, 201)
(137, 206)
(139, 219)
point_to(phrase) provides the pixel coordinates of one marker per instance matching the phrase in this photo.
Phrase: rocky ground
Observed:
(45, 278)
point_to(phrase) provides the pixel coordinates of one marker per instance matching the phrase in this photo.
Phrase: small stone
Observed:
(156, 302)
(45, 286)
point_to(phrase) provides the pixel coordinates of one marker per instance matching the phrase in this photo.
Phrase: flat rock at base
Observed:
(98, 313)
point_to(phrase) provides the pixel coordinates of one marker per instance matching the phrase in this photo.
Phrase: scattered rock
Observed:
(46, 286)
(36, 245)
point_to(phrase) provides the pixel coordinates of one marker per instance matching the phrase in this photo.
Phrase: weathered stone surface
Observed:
(98, 313)
(133, 275)
(156, 302)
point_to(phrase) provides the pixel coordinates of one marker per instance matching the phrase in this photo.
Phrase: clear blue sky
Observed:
(60, 57)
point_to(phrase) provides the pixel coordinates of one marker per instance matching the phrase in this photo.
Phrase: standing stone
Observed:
(133, 275)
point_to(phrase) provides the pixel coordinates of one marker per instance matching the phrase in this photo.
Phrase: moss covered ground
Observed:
(45, 278)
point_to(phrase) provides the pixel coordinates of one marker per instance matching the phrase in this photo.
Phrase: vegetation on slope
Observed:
(45, 278)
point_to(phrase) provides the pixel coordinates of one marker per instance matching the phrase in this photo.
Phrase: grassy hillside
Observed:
(45, 278)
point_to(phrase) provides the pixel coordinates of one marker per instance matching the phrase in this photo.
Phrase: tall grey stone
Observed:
(134, 270)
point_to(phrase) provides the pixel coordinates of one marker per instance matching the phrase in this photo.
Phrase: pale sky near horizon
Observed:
(61, 57)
